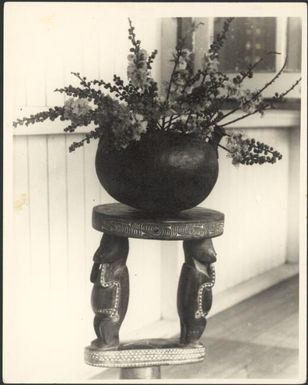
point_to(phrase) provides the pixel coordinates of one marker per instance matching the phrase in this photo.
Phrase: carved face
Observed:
(112, 248)
(201, 250)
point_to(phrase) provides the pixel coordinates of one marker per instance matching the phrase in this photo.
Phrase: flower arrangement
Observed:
(191, 103)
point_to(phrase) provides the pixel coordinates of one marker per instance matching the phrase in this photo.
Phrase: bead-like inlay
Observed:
(124, 221)
(143, 357)
(112, 312)
(205, 286)
(153, 231)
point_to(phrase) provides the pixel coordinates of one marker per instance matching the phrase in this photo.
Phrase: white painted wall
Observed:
(47, 286)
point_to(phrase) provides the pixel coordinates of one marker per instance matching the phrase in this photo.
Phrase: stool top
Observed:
(125, 221)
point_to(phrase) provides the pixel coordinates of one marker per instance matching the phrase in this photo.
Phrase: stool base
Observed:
(144, 354)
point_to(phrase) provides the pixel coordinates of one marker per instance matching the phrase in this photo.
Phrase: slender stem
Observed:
(270, 82)
(225, 148)
(251, 67)
(176, 62)
(170, 82)
(258, 93)
(201, 84)
(220, 145)
(172, 118)
(212, 116)
(291, 88)
(158, 125)
(169, 121)
(244, 116)
(263, 107)
(163, 122)
(193, 80)
(231, 152)
(203, 77)
(188, 117)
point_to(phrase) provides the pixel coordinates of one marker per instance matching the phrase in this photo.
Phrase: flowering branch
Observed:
(255, 95)
(264, 106)
(124, 111)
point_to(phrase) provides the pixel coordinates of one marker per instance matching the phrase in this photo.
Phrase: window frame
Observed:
(286, 79)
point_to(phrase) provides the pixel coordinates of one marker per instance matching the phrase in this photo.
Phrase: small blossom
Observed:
(140, 126)
(250, 101)
(143, 54)
(210, 65)
(182, 64)
(237, 146)
(161, 98)
(78, 107)
(233, 89)
(186, 53)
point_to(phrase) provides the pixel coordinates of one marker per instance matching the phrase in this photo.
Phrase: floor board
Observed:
(255, 339)
(258, 338)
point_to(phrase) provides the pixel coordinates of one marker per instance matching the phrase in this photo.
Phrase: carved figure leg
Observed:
(194, 298)
(110, 292)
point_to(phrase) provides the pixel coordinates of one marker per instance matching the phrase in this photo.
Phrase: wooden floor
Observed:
(257, 338)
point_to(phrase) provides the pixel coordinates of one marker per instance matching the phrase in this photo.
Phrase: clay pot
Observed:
(161, 173)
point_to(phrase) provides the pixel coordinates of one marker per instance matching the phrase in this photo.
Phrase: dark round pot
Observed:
(161, 173)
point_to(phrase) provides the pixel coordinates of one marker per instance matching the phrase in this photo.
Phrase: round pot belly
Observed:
(162, 173)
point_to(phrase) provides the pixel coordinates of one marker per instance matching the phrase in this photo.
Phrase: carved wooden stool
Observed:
(143, 358)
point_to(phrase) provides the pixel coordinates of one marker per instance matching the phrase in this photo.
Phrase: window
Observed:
(294, 42)
(248, 40)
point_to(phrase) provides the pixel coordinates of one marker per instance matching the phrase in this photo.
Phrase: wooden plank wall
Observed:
(54, 191)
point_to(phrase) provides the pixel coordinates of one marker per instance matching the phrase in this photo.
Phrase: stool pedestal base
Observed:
(144, 353)
(147, 373)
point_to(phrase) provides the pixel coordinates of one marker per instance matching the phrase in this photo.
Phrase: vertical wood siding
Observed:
(255, 202)
(55, 191)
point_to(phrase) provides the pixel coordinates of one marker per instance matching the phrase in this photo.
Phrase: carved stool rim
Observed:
(125, 221)
(137, 355)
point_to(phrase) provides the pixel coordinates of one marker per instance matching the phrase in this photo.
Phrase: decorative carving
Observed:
(194, 291)
(125, 221)
(163, 231)
(111, 289)
(145, 353)
(113, 311)
(205, 286)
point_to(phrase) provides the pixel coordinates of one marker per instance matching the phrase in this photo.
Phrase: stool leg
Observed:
(110, 292)
(194, 298)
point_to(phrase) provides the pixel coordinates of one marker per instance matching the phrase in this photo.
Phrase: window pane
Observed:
(248, 39)
(294, 44)
(184, 26)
